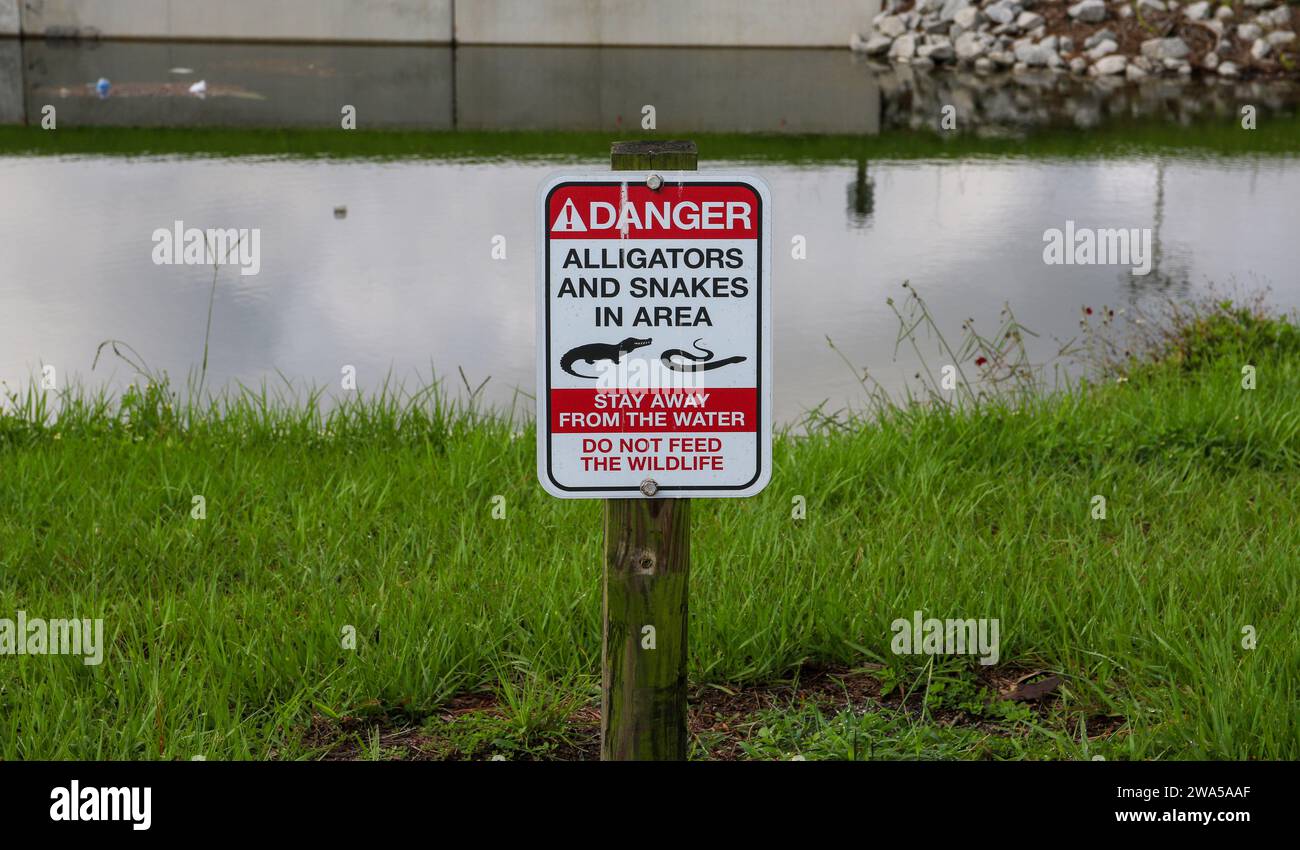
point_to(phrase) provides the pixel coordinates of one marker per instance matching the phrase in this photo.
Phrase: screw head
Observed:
(654, 182)
(649, 487)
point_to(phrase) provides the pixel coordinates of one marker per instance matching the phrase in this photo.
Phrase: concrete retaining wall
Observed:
(427, 21)
(713, 23)
(693, 89)
(9, 20)
(11, 81)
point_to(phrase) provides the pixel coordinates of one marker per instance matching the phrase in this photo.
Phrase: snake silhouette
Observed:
(700, 364)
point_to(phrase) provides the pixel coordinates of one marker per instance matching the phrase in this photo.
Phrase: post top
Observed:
(679, 147)
(678, 155)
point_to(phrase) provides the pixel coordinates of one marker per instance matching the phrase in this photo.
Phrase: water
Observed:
(406, 283)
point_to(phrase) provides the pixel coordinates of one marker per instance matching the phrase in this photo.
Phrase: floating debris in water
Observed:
(102, 87)
(180, 71)
(178, 88)
(341, 212)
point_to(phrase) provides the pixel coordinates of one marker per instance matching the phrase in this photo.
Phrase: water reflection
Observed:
(407, 278)
(1010, 104)
(862, 196)
(574, 88)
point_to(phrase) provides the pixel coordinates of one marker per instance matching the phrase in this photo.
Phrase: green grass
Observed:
(225, 633)
(1279, 134)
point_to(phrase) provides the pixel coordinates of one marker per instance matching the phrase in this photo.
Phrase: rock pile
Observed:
(1133, 38)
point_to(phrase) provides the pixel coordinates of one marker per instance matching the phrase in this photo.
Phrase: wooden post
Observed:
(647, 581)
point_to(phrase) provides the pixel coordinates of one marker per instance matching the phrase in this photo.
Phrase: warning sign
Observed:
(653, 342)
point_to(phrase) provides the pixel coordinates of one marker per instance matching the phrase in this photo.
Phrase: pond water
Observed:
(407, 282)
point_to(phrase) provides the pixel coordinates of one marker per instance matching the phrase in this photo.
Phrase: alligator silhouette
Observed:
(701, 364)
(593, 351)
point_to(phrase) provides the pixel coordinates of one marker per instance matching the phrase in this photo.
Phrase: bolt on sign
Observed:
(654, 356)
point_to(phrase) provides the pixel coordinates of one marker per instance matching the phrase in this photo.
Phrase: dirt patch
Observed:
(724, 716)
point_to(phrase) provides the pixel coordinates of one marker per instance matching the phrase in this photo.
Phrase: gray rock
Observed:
(892, 26)
(936, 52)
(1108, 65)
(1259, 4)
(1260, 50)
(1097, 38)
(1029, 20)
(1165, 48)
(1280, 37)
(967, 18)
(969, 45)
(1197, 11)
(1280, 17)
(1089, 11)
(984, 64)
(903, 48)
(1033, 55)
(877, 45)
(1210, 62)
(1223, 13)
(1104, 48)
(1133, 72)
(950, 9)
(1003, 11)
(1227, 69)
(1003, 58)
(1249, 32)
(1151, 5)
(1078, 64)
(1066, 44)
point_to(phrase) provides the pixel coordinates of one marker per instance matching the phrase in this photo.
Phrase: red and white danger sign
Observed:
(654, 372)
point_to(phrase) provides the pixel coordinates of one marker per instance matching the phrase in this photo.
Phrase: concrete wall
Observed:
(716, 23)
(9, 17)
(11, 81)
(427, 21)
(250, 85)
(693, 89)
(720, 23)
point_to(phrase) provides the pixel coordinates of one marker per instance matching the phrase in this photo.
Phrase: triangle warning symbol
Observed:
(568, 221)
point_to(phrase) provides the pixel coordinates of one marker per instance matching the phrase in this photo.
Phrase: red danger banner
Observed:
(594, 411)
(636, 212)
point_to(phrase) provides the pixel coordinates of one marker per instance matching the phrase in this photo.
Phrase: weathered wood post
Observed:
(647, 581)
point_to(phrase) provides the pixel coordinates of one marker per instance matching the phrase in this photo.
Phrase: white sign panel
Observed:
(654, 360)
